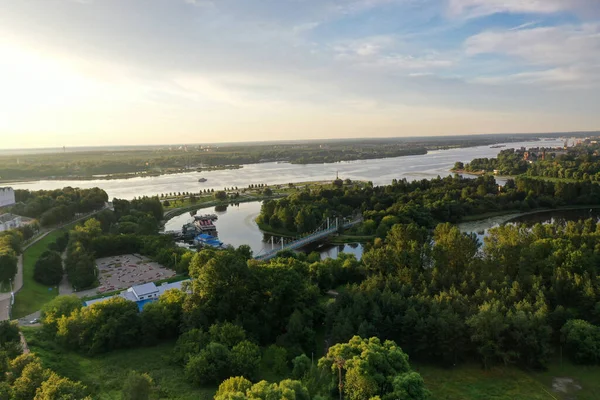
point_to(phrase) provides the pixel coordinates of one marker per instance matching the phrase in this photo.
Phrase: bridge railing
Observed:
(307, 239)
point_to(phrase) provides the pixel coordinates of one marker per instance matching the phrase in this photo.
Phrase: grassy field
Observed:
(470, 382)
(34, 295)
(104, 374)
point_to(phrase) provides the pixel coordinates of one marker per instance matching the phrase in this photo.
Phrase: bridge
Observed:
(328, 228)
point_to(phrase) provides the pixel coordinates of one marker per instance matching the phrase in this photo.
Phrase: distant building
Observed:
(10, 221)
(7, 196)
(142, 294)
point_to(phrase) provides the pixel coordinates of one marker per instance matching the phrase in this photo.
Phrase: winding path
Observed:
(6, 299)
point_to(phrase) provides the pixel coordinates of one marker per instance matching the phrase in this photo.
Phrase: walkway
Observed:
(6, 298)
(316, 236)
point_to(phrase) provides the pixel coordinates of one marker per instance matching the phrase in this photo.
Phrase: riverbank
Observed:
(215, 203)
(477, 223)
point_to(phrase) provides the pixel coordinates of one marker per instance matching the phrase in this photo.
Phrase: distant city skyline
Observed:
(155, 72)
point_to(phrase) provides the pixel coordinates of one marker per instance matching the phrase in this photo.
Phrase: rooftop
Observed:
(145, 289)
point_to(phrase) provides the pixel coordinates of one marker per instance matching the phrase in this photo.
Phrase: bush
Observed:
(137, 386)
(582, 340)
(48, 269)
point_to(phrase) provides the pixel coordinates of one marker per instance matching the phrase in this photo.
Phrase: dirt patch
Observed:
(566, 386)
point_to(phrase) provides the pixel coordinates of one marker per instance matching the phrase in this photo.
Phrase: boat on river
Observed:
(201, 180)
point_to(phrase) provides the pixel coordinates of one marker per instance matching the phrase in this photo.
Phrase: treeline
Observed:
(445, 300)
(23, 377)
(239, 317)
(11, 243)
(54, 207)
(569, 166)
(113, 233)
(580, 163)
(425, 202)
(98, 164)
(508, 162)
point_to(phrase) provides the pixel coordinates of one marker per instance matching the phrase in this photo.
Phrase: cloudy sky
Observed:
(106, 72)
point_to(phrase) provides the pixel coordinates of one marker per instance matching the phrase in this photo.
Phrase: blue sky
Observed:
(86, 72)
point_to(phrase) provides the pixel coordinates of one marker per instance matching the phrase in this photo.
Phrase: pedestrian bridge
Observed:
(328, 228)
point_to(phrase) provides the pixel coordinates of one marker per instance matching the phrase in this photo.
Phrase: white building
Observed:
(142, 294)
(7, 196)
(10, 221)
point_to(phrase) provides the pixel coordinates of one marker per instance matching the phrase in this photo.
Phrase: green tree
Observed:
(582, 341)
(301, 367)
(56, 308)
(137, 386)
(245, 359)
(32, 377)
(227, 334)
(211, 365)
(48, 268)
(365, 368)
(57, 388)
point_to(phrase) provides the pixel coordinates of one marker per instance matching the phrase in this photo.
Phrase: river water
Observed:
(482, 227)
(236, 226)
(379, 171)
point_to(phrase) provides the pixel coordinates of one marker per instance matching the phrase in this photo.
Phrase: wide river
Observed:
(379, 171)
(236, 225)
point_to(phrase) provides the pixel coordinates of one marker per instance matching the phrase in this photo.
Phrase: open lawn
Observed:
(34, 295)
(104, 374)
(470, 382)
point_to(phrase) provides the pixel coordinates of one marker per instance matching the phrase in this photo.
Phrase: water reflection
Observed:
(481, 228)
(236, 226)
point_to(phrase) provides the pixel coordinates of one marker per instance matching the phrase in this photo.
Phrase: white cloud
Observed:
(479, 8)
(561, 45)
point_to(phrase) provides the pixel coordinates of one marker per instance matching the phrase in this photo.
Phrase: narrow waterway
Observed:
(482, 227)
(236, 226)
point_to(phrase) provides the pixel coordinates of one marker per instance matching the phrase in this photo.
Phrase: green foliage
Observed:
(137, 386)
(227, 334)
(57, 388)
(245, 359)
(30, 379)
(302, 365)
(275, 359)
(365, 368)
(582, 341)
(60, 306)
(54, 207)
(211, 365)
(101, 327)
(220, 195)
(239, 388)
(49, 269)
(10, 245)
(189, 343)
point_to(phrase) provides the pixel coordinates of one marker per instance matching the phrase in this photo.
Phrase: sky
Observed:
(111, 72)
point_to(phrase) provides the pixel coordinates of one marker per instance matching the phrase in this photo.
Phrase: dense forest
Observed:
(55, 207)
(422, 290)
(508, 162)
(574, 166)
(579, 163)
(100, 164)
(425, 202)
(437, 296)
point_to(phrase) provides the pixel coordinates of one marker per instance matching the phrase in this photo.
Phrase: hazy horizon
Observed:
(82, 73)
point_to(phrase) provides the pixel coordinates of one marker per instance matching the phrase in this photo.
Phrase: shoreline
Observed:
(132, 175)
(501, 218)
